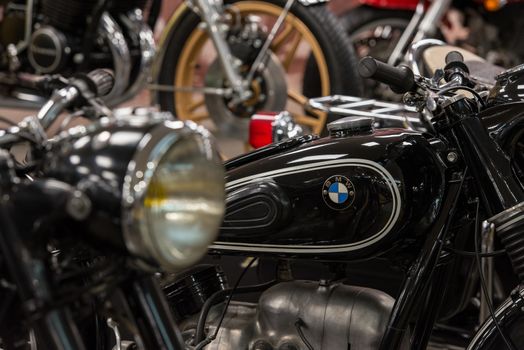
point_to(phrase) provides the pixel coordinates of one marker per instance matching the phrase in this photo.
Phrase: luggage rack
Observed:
(386, 114)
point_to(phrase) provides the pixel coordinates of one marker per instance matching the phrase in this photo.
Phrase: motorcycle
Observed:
(217, 61)
(439, 208)
(387, 29)
(89, 215)
(221, 62)
(68, 37)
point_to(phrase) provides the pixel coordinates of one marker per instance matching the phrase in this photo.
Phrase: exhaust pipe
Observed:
(112, 32)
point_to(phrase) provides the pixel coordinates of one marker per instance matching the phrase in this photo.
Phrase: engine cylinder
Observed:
(328, 316)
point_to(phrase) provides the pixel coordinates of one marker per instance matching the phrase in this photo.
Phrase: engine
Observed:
(62, 32)
(290, 315)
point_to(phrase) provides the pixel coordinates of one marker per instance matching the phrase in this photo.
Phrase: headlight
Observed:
(173, 196)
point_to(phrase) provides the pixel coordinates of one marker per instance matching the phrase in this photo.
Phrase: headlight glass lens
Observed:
(184, 203)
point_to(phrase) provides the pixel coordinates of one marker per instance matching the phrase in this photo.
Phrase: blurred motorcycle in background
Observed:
(387, 29)
(69, 37)
(224, 61)
(217, 61)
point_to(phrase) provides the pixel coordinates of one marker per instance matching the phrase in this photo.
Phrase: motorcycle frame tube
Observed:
(421, 273)
(55, 327)
(152, 315)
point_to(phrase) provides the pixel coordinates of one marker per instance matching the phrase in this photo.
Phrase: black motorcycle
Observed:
(67, 37)
(89, 215)
(431, 211)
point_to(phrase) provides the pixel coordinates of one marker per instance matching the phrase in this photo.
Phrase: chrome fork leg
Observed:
(211, 12)
(423, 24)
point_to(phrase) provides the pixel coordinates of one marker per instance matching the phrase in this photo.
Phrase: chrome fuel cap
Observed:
(350, 126)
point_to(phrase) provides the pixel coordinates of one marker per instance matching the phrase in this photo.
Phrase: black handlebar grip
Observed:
(455, 63)
(101, 81)
(400, 79)
(454, 56)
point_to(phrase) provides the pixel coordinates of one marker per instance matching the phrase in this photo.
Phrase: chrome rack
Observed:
(386, 114)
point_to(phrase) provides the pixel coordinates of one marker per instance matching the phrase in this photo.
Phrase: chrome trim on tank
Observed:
(309, 249)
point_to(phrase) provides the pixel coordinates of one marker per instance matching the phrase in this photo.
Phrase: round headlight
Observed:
(173, 196)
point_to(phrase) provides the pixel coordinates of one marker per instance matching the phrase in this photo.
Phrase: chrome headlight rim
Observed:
(140, 171)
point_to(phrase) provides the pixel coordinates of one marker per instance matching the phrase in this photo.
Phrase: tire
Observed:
(328, 33)
(362, 24)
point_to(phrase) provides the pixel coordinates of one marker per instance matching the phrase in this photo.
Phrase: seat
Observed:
(481, 70)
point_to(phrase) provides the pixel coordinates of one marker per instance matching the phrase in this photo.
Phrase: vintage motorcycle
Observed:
(67, 37)
(231, 58)
(89, 215)
(438, 208)
(387, 29)
(224, 61)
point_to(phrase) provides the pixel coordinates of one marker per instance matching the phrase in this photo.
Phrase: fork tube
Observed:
(54, 327)
(211, 12)
(152, 314)
(407, 35)
(432, 19)
(421, 273)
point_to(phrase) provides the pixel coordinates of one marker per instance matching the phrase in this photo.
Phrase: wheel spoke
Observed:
(297, 97)
(280, 40)
(290, 55)
(196, 104)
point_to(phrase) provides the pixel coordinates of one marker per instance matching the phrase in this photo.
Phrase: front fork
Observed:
(54, 326)
(211, 13)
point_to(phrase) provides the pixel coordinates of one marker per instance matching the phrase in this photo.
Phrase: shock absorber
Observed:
(509, 227)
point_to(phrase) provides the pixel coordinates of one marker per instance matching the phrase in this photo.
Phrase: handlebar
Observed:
(95, 84)
(81, 88)
(455, 68)
(400, 79)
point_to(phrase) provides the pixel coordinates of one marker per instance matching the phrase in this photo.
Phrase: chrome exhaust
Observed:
(112, 32)
(135, 24)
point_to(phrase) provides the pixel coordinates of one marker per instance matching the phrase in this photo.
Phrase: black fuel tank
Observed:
(332, 198)
(509, 87)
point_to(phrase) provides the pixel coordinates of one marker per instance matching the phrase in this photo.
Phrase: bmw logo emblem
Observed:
(338, 192)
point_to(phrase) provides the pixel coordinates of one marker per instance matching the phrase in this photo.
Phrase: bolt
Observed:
(78, 206)
(452, 157)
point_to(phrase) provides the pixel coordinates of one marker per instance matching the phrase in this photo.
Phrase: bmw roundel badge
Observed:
(338, 192)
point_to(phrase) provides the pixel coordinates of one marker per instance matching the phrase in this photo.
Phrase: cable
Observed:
(453, 88)
(212, 337)
(482, 255)
(483, 282)
(215, 297)
(298, 325)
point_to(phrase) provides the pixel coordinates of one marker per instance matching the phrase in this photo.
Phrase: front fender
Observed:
(169, 29)
(510, 317)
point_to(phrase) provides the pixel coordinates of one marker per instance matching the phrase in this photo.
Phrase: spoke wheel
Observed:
(191, 64)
